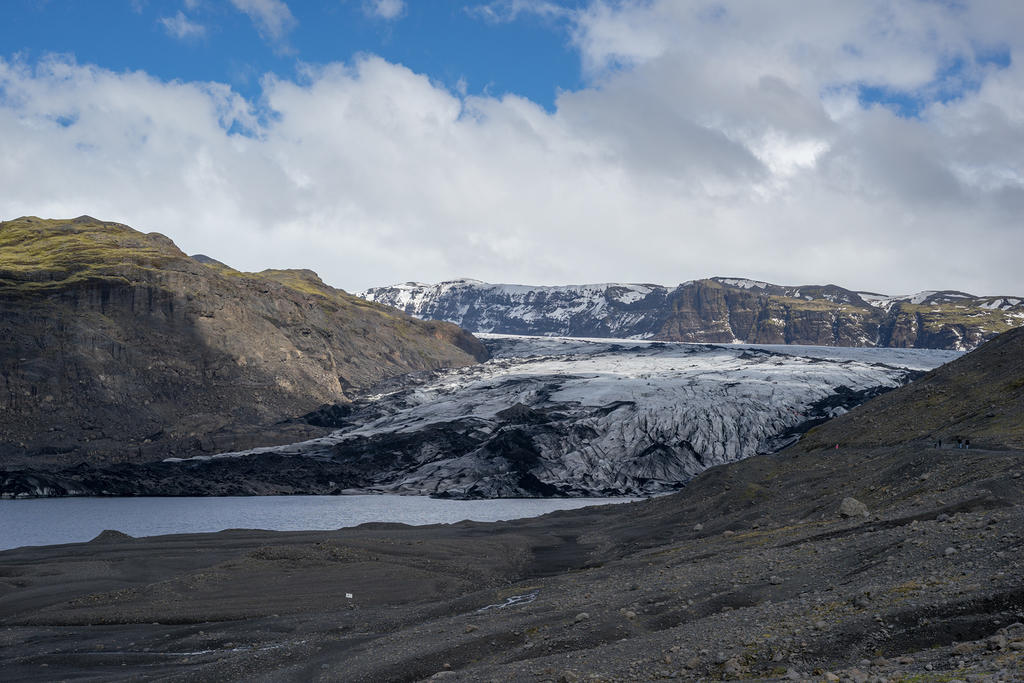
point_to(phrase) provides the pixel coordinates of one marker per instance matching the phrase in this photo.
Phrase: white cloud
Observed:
(179, 26)
(503, 11)
(385, 9)
(272, 18)
(708, 143)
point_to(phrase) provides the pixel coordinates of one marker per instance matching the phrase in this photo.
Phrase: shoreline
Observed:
(80, 519)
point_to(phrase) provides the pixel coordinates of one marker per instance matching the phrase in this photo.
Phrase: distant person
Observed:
(967, 443)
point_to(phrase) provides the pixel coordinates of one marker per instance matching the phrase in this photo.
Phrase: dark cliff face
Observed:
(717, 310)
(114, 345)
(706, 311)
(925, 326)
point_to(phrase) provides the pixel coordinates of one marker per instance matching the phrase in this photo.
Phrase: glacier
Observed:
(549, 416)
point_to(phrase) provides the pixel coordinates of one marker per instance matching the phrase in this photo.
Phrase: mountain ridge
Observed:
(713, 310)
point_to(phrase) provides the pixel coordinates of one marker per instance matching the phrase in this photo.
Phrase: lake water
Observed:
(48, 521)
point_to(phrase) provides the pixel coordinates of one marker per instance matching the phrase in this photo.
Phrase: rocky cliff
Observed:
(115, 345)
(718, 310)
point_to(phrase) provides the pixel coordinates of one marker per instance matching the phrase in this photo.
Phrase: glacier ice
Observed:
(551, 416)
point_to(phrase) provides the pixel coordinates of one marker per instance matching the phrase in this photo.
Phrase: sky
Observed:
(877, 145)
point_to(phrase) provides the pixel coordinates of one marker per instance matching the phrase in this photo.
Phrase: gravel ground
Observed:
(751, 572)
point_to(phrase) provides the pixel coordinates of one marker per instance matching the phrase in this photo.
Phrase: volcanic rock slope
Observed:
(714, 310)
(979, 398)
(752, 572)
(114, 345)
(543, 417)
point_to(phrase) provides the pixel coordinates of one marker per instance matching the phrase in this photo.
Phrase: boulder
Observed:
(851, 507)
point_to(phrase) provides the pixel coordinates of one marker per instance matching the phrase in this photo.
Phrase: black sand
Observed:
(773, 583)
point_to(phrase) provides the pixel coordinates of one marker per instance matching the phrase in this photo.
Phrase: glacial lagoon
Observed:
(48, 521)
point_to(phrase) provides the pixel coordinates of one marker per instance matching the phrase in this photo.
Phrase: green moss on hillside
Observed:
(934, 317)
(38, 254)
(816, 305)
(305, 281)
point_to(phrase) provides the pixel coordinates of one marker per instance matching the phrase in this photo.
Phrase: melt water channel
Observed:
(49, 521)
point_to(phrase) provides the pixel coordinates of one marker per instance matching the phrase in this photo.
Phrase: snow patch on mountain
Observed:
(742, 283)
(882, 301)
(1001, 304)
(628, 294)
(921, 297)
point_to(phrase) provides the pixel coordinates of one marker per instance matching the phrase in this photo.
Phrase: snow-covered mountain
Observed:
(716, 310)
(603, 310)
(558, 416)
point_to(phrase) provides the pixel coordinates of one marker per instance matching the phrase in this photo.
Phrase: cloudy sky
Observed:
(878, 145)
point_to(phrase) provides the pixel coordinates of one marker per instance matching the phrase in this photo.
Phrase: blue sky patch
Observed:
(903, 103)
(996, 55)
(955, 77)
(527, 54)
(67, 120)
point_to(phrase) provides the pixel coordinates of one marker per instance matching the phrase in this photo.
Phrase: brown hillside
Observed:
(115, 345)
(979, 397)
